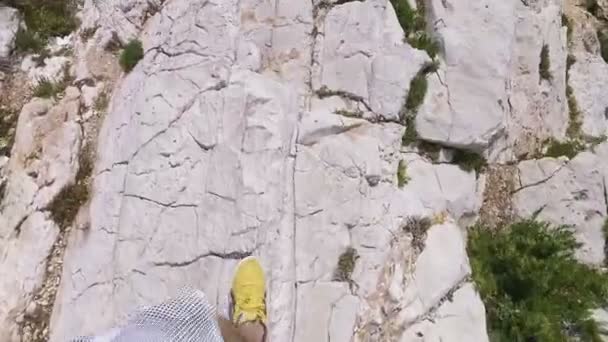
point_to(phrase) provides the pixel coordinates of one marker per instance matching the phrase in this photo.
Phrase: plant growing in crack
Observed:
(131, 55)
(545, 64)
(533, 287)
(605, 232)
(469, 161)
(66, 204)
(402, 177)
(346, 265)
(568, 148)
(101, 102)
(417, 227)
(413, 22)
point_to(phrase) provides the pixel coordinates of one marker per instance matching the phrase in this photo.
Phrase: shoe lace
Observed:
(251, 303)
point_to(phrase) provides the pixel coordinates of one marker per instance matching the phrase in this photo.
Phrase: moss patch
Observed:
(568, 148)
(131, 55)
(346, 265)
(66, 204)
(533, 287)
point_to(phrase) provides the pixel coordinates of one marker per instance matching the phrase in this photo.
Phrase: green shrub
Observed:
(574, 115)
(28, 41)
(48, 18)
(568, 148)
(545, 64)
(131, 55)
(469, 161)
(402, 177)
(533, 287)
(603, 40)
(417, 92)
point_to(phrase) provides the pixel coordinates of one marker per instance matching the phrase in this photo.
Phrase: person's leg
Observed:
(230, 333)
(253, 332)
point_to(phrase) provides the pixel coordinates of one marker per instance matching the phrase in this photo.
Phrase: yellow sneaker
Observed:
(249, 292)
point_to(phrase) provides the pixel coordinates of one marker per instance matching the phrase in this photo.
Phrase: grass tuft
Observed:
(131, 55)
(45, 89)
(545, 64)
(346, 265)
(533, 287)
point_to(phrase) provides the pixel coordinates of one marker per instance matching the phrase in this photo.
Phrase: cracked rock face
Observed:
(489, 92)
(226, 140)
(274, 128)
(43, 161)
(568, 192)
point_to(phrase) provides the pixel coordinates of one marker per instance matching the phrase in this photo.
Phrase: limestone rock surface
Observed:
(9, 25)
(569, 192)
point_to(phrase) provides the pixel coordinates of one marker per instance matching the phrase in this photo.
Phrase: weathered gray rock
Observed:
(462, 107)
(24, 257)
(488, 92)
(416, 290)
(43, 161)
(360, 52)
(9, 25)
(52, 69)
(587, 79)
(117, 18)
(566, 192)
(444, 188)
(242, 155)
(460, 319)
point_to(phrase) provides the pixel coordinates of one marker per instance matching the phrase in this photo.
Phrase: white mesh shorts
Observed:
(187, 317)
